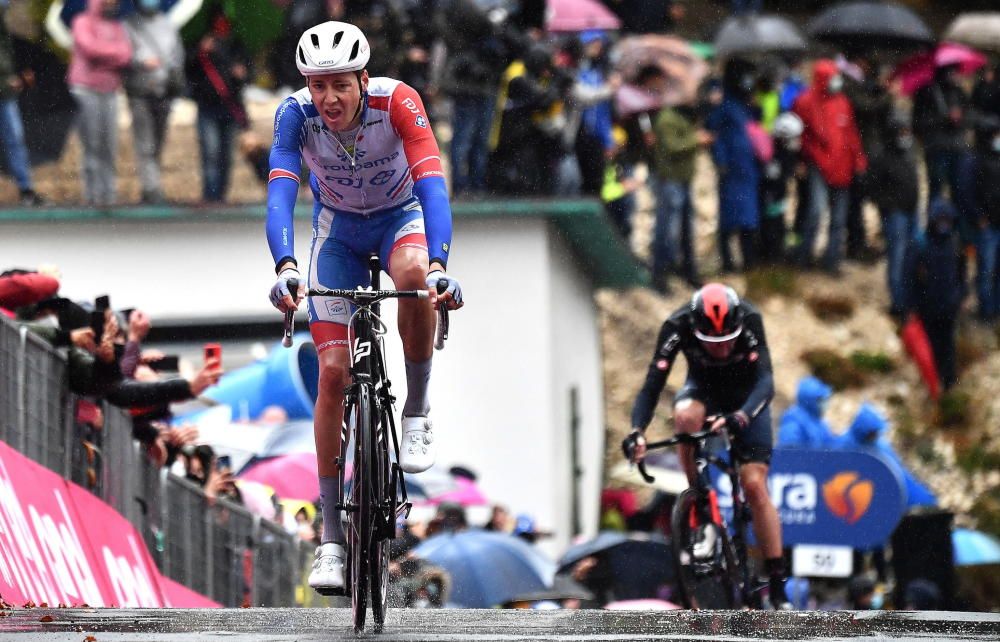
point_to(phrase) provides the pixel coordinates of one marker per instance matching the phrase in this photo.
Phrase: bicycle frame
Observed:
(703, 459)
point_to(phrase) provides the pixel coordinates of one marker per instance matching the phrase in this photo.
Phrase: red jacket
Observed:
(830, 140)
(25, 288)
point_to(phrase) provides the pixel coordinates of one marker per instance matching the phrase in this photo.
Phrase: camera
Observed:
(101, 305)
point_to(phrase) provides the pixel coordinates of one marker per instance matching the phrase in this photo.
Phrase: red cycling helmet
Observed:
(717, 314)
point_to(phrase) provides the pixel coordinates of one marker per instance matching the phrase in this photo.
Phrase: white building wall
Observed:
(500, 390)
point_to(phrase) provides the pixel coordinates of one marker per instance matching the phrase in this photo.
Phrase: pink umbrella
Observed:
(291, 476)
(579, 15)
(464, 492)
(641, 605)
(918, 71)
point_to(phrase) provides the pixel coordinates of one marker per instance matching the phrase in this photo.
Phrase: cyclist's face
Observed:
(719, 350)
(337, 97)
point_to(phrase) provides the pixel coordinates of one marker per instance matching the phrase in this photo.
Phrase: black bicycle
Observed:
(377, 495)
(710, 555)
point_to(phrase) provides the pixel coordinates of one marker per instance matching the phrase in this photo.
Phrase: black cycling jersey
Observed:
(744, 379)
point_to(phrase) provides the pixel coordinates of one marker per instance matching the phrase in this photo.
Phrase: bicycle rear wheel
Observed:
(360, 531)
(707, 575)
(383, 519)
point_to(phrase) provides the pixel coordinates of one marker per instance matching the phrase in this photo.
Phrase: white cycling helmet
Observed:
(787, 126)
(332, 47)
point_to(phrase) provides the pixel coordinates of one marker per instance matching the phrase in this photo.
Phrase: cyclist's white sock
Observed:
(418, 377)
(333, 529)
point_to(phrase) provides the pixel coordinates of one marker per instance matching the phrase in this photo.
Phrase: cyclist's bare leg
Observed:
(334, 376)
(408, 269)
(689, 417)
(766, 525)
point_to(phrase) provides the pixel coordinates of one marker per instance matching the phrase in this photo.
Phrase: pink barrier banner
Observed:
(61, 545)
(179, 596)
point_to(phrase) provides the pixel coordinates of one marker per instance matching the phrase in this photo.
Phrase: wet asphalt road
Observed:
(257, 625)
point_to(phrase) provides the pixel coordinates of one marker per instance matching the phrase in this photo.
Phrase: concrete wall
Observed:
(501, 388)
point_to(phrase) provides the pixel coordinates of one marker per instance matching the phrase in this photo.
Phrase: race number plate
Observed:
(822, 561)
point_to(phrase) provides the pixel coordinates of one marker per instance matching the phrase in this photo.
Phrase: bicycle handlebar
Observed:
(679, 438)
(364, 298)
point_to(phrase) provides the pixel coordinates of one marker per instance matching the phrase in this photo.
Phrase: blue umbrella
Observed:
(639, 564)
(486, 568)
(974, 547)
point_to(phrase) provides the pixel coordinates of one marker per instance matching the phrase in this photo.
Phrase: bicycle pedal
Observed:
(332, 591)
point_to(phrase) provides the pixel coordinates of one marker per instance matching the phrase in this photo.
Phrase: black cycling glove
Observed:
(737, 421)
(630, 442)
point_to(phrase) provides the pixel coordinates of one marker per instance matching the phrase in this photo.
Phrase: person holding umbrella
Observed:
(831, 148)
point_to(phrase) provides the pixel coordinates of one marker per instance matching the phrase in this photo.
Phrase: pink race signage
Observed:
(61, 545)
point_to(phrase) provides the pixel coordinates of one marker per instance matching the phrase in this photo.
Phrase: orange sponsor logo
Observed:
(847, 496)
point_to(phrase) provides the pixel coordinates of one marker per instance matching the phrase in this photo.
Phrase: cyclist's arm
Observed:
(283, 181)
(668, 344)
(409, 119)
(763, 388)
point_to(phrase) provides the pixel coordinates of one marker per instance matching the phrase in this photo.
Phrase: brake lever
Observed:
(293, 289)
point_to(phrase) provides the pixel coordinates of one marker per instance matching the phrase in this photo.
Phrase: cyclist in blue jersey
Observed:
(378, 187)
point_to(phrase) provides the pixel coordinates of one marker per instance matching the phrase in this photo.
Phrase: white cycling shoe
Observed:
(416, 451)
(327, 575)
(704, 545)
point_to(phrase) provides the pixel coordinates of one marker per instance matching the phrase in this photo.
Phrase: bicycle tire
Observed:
(379, 551)
(361, 522)
(703, 582)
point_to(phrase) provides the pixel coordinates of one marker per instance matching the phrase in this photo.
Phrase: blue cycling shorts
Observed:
(341, 245)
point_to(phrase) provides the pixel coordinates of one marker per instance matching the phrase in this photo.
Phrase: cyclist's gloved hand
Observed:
(634, 446)
(736, 421)
(452, 295)
(281, 297)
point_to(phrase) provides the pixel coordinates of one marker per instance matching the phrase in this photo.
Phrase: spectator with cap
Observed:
(526, 528)
(802, 425)
(592, 95)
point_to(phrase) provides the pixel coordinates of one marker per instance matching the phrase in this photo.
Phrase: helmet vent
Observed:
(302, 57)
(337, 38)
(354, 50)
(315, 40)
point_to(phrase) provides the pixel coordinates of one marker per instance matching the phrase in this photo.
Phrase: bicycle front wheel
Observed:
(360, 532)
(707, 571)
(384, 519)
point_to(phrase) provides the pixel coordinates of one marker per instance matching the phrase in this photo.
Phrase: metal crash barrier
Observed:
(217, 548)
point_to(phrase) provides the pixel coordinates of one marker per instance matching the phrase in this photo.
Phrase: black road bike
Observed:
(377, 493)
(710, 555)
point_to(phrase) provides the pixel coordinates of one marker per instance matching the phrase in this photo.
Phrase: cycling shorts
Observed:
(339, 259)
(753, 443)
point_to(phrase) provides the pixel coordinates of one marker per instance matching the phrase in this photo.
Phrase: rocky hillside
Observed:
(839, 329)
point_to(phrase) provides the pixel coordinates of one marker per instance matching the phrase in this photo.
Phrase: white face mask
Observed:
(836, 84)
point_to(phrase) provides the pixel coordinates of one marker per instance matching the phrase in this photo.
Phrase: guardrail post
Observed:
(22, 391)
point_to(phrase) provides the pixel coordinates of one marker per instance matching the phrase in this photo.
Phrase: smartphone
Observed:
(213, 351)
(223, 463)
(101, 306)
(169, 363)
(127, 312)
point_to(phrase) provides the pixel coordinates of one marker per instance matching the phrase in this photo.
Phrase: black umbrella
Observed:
(867, 24)
(638, 564)
(758, 34)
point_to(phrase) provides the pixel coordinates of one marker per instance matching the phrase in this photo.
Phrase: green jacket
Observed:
(676, 146)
